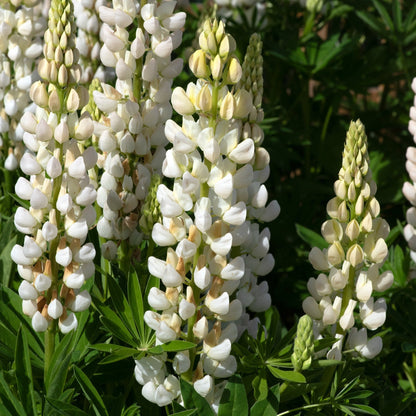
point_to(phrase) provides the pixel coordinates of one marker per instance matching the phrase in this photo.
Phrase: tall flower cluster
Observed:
(131, 134)
(351, 265)
(258, 261)
(88, 42)
(409, 189)
(217, 172)
(54, 260)
(21, 28)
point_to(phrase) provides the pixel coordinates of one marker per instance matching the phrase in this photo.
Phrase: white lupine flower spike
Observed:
(54, 260)
(350, 267)
(216, 250)
(131, 129)
(22, 28)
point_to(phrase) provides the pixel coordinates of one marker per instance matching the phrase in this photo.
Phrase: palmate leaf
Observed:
(311, 237)
(234, 398)
(292, 376)
(24, 378)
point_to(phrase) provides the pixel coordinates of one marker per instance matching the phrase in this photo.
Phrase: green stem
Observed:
(49, 347)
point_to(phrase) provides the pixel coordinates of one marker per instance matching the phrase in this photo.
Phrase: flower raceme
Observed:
(131, 131)
(351, 265)
(21, 28)
(215, 250)
(54, 260)
(409, 189)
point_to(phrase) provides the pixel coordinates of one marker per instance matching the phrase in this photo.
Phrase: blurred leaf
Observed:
(24, 377)
(135, 298)
(191, 412)
(90, 392)
(260, 387)
(311, 237)
(234, 398)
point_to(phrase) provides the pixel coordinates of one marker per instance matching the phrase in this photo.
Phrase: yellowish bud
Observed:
(353, 230)
(54, 102)
(227, 107)
(204, 99)
(340, 189)
(72, 103)
(62, 76)
(38, 94)
(335, 253)
(243, 103)
(355, 255)
(198, 65)
(235, 72)
(216, 67)
(343, 214)
(331, 230)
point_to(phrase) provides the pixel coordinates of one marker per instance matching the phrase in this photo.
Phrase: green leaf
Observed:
(372, 22)
(90, 392)
(8, 399)
(6, 260)
(193, 400)
(260, 387)
(121, 305)
(24, 377)
(63, 408)
(268, 406)
(172, 346)
(311, 237)
(397, 16)
(234, 398)
(191, 412)
(58, 368)
(292, 376)
(121, 355)
(135, 298)
(384, 14)
(362, 408)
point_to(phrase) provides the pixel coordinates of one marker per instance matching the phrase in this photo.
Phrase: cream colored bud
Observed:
(227, 46)
(203, 43)
(332, 207)
(84, 96)
(340, 189)
(54, 102)
(355, 255)
(352, 193)
(331, 230)
(243, 103)
(374, 207)
(69, 58)
(198, 65)
(343, 214)
(72, 103)
(380, 251)
(359, 205)
(358, 180)
(38, 94)
(227, 107)
(59, 56)
(367, 223)
(181, 102)
(44, 69)
(62, 76)
(216, 67)
(204, 99)
(212, 43)
(335, 253)
(220, 32)
(234, 73)
(53, 73)
(353, 230)
(318, 259)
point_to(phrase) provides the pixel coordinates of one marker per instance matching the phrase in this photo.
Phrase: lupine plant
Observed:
(143, 146)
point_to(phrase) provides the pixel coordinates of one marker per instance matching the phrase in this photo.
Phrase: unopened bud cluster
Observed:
(131, 131)
(88, 42)
(351, 265)
(21, 28)
(215, 253)
(54, 260)
(409, 189)
(303, 347)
